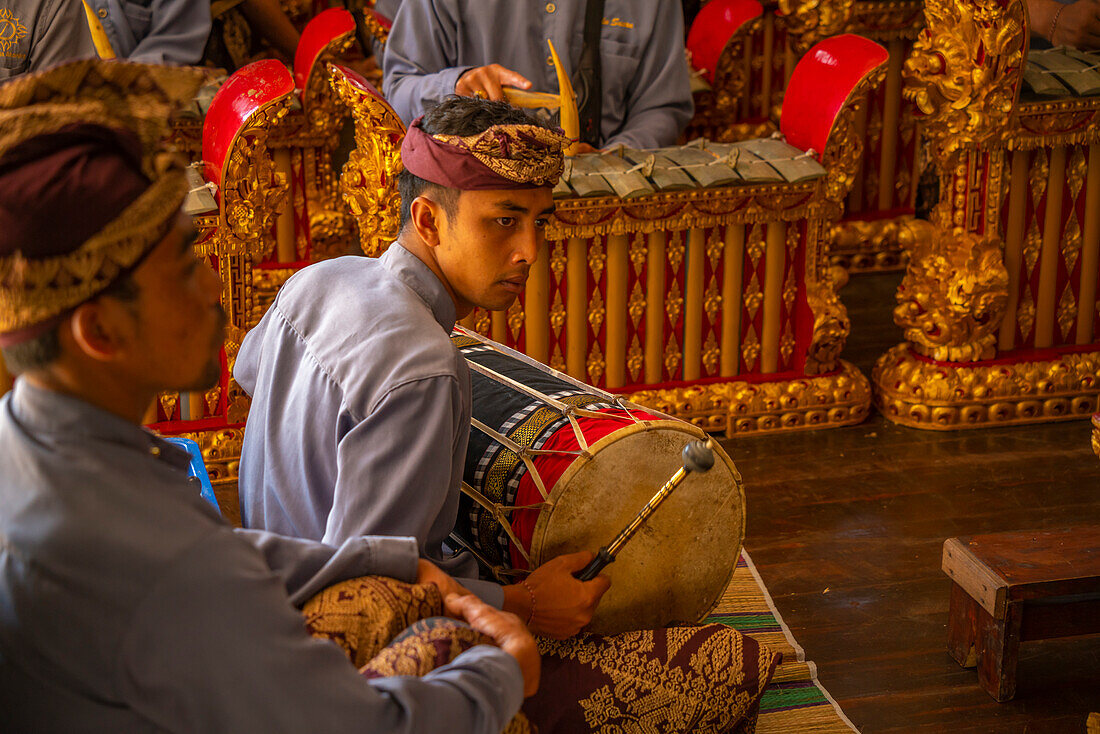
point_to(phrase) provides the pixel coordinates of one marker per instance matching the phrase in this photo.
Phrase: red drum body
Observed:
(555, 466)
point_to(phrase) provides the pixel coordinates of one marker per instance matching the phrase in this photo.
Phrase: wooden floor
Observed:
(846, 527)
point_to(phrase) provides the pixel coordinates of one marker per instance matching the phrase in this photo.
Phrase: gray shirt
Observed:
(128, 605)
(155, 31)
(37, 34)
(360, 409)
(646, 95)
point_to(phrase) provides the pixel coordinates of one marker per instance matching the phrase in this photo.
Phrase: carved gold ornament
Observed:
(837, 399)
(953, 297)
(810, 21)
(917, 392)
(965, 69)
(368, 181)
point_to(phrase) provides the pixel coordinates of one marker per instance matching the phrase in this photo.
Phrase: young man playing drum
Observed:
(361, 416)
(126, 603)
(367, 432)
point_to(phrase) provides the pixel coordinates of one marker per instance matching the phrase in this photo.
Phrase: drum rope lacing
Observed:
(609, 398)
(525, 453)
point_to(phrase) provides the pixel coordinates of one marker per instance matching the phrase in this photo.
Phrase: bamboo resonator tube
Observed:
(1037, 251)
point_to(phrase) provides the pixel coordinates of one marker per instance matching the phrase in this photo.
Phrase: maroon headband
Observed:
(502, 157)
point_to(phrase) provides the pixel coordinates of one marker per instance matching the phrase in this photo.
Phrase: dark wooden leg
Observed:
(962, 627)
(999, 651)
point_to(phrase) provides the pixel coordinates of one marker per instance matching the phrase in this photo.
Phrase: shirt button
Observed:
(102, 12)
(154, 450)
(550, 7)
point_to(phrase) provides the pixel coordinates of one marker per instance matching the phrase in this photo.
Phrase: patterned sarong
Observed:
(681, 679)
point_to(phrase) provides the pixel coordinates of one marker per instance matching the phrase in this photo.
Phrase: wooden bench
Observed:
(1014, 587)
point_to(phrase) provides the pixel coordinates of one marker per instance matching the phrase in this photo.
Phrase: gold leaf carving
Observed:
(515, 319)
(672, 357)
(636, 305)
(168, 402)
(558, 260)
(635, 358)
(674, 303)
(954, 293)
(750, 349)
(639, 252)
(596, 312)
(596, 259)
(557, 314)
(1067, 312)
(596, 364)
(710, 355)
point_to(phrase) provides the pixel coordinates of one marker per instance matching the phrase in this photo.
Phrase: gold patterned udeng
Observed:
(520, 153)
(32, 291)
(114, 94)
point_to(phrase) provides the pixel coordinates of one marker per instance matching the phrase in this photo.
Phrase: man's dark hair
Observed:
(44, 349)
(457, 116)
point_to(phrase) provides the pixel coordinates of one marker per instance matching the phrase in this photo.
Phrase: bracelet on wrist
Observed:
(1054, 22)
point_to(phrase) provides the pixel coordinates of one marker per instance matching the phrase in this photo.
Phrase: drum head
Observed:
(681, 560)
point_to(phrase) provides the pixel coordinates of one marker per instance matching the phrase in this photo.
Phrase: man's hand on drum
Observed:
(506, 630)
(429, 573)
(487, 82)
(562, 605)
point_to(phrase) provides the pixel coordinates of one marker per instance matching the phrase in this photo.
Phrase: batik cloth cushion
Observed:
(696, 679)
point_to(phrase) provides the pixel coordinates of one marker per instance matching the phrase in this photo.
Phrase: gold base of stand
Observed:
(822, 401)
(942, 396)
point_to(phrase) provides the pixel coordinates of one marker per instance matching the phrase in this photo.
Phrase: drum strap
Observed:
(497, 512)
(523, 452)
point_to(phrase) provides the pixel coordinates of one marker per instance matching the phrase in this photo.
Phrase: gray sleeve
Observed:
(306, 566)
(659, 104)
(420, 53)
(177, 34)
(216, 647)
(394, 469)
(66, 36)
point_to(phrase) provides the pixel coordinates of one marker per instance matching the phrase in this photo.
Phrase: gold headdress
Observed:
(36, 287)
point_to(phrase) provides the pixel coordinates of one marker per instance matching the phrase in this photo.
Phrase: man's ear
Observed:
(96, 329)
(427, 219)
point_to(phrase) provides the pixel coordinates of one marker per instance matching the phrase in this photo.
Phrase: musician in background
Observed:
(1066, 23)
(126, 603)
(367, 433)
(442, 47)
(172, 32)
(37, 34)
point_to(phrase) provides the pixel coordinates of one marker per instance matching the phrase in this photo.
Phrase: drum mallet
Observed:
(698, 457)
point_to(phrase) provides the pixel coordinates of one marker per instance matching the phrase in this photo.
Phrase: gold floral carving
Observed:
(368, 181)
(324, 109)
(810, 21)
(865, 246)
(1096, 435)
(831, 327)
(252, 192)
(920, 393)
(953, 297)
(843, 154)
(965, 69)
(376, 29)
(836, 399)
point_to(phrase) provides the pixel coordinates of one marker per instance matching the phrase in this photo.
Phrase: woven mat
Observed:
(795, 701)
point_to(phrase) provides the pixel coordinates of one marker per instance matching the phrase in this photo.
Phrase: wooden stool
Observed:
(1013, 587)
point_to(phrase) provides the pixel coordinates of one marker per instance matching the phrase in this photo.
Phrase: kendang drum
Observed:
(555, 466)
